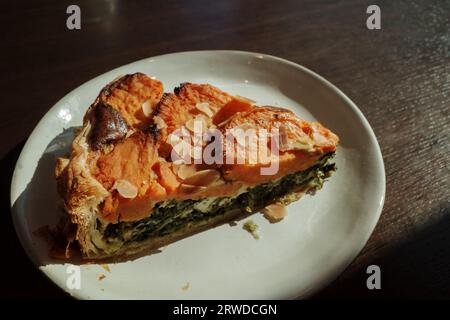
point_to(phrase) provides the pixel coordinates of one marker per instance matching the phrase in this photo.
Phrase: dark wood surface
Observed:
(398, 76)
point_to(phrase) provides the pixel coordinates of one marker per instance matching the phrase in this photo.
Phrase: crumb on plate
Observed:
(106, 267)
(252, 228)
(186, 286)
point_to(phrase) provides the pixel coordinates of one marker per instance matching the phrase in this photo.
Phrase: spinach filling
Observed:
(173, 215)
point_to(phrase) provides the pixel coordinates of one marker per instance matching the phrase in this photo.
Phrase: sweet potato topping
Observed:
(187, 102)
(204, 107)
(288, 162)
(295, 143)
(133, 96)
(166, 177)
(138, 171)
(234, 106)
(131, 160)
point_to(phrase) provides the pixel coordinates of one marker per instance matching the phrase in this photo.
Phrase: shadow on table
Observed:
(20, 279)
(416, 269)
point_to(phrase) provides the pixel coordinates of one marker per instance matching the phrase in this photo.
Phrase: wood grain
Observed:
(399, 77)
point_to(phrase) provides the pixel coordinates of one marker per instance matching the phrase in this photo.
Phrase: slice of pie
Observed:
(148, 168)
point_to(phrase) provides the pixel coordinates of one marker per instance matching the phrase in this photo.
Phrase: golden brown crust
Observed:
(81, 192)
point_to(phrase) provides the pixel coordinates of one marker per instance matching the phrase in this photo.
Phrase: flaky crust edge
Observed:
(81, 192)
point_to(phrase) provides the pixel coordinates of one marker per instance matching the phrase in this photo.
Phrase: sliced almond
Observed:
(297, 141)
(160, 123)
(302, 144)
(129, 133)
(147, 108)
(319, 139)
(198, 121)
(126, 189)
(207, 120)
(275, 212)
(188, 189)
(184, 151)
(173, 139)
(283, 138)
(297, 145)
(185, 171)
(247, 142)
(198, 141)
(204, 107)
(190, 124)
(203, 178)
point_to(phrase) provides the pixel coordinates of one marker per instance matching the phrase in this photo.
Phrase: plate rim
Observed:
(326, 280)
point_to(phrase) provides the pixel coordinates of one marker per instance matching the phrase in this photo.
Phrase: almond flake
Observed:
(319, 139)
(126, 189)
(160, 123)
(198, 121)
(204, 107)
(300, 141)
(188, 189)
(173, 139)
(184, 150)
(203, 178)
(147, 108)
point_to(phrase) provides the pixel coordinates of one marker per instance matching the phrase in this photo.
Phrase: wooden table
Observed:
(398, 76)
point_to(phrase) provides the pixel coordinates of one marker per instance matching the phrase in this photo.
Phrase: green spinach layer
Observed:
(173, 215)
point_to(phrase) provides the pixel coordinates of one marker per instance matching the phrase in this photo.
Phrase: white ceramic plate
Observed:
(294, 258)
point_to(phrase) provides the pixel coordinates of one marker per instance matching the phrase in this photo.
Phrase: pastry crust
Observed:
(81, 192)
